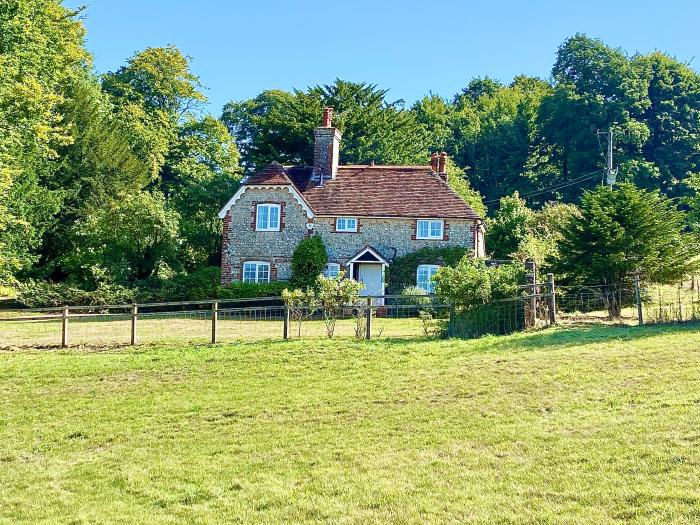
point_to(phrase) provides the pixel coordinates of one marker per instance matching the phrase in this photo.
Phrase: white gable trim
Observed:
(368, 249)
(291, 189)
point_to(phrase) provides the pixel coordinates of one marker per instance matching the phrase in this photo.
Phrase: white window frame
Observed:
(258, 266)
(432, 270)
(327, 270)
(267, 227)
(345, 228)
(430, 223)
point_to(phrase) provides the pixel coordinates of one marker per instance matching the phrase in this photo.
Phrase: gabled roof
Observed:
(273, 173)
(371, 191)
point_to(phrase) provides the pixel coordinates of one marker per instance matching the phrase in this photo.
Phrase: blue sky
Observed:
(241, 48)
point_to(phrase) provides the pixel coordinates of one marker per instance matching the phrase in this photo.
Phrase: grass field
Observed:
(193, 327)
(592, 425)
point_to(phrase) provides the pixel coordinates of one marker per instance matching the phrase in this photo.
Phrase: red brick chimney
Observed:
(442, 164)
(434, 162)
(326, 149)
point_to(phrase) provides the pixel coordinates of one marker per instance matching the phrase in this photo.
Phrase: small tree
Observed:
(301, 304)
(308, 261)
(334, 294)
(624, 230)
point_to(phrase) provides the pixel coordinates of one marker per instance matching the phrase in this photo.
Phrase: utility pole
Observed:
(609, 170)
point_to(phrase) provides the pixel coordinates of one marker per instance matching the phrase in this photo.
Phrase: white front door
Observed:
(372, 275)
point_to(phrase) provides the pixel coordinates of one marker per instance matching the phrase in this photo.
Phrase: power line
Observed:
(572, 182)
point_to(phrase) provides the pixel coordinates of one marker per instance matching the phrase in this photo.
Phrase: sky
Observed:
(412, 48)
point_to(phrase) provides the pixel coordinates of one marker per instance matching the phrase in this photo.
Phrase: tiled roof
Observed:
(373, 191)
(273, 173)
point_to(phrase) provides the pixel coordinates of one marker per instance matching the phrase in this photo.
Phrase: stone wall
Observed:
(390, 237)
(242, 243)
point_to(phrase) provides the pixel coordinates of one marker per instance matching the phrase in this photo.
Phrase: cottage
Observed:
(366, 215)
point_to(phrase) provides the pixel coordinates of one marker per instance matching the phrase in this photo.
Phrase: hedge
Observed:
(200, 285)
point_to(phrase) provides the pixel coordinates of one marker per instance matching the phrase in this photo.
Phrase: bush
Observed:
(37, 294)
(308, 262)
(199, 285)
(471, 282)
(245, 290)
(402, 272)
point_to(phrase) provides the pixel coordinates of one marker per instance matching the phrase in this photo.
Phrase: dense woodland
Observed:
(112, 181)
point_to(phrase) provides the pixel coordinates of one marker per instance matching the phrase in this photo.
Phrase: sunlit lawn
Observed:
(594, 425)
(186, 327)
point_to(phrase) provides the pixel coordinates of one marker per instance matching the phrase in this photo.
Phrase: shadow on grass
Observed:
(567, 336)
(584, 334)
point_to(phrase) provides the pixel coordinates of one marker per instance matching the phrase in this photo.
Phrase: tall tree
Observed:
(494, 134)
(200, 173)
(597, 88)
(672, 152)
(278, 126)
(41, 54)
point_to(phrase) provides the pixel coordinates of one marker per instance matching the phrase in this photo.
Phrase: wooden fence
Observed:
(221, 320)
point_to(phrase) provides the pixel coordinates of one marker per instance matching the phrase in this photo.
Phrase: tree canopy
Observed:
(106, 180)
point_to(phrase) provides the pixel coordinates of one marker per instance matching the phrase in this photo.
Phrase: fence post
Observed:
(134, 322)
(369, 318)
(552, 300)
(531, 316)
(214, 322)
(285, 330)
(64, 327)
(451, 321)
(638, 295)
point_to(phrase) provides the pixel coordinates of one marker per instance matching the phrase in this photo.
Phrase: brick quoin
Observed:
(226, 274)
(254, 214)
(414, 230)
(446, 232)
(283, 215)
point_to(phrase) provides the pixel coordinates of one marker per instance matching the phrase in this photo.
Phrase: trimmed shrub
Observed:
(402, 272)
(308, 262)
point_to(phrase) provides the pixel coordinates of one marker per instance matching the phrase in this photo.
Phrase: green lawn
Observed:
(591, 425)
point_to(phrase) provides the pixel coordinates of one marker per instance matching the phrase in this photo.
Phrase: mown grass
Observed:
(188, 327)
(591, 425)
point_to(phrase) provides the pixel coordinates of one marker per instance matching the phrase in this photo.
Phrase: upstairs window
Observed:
(429, 229)
(331, 271)
(268, 218)
(256, 272)
(346, 224)
(424, 277)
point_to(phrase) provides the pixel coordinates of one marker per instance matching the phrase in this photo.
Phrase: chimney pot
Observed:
(442, 162)
(434, 162)
(327, 117)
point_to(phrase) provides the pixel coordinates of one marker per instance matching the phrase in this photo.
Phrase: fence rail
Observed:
(388, 316)
(219, 320)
